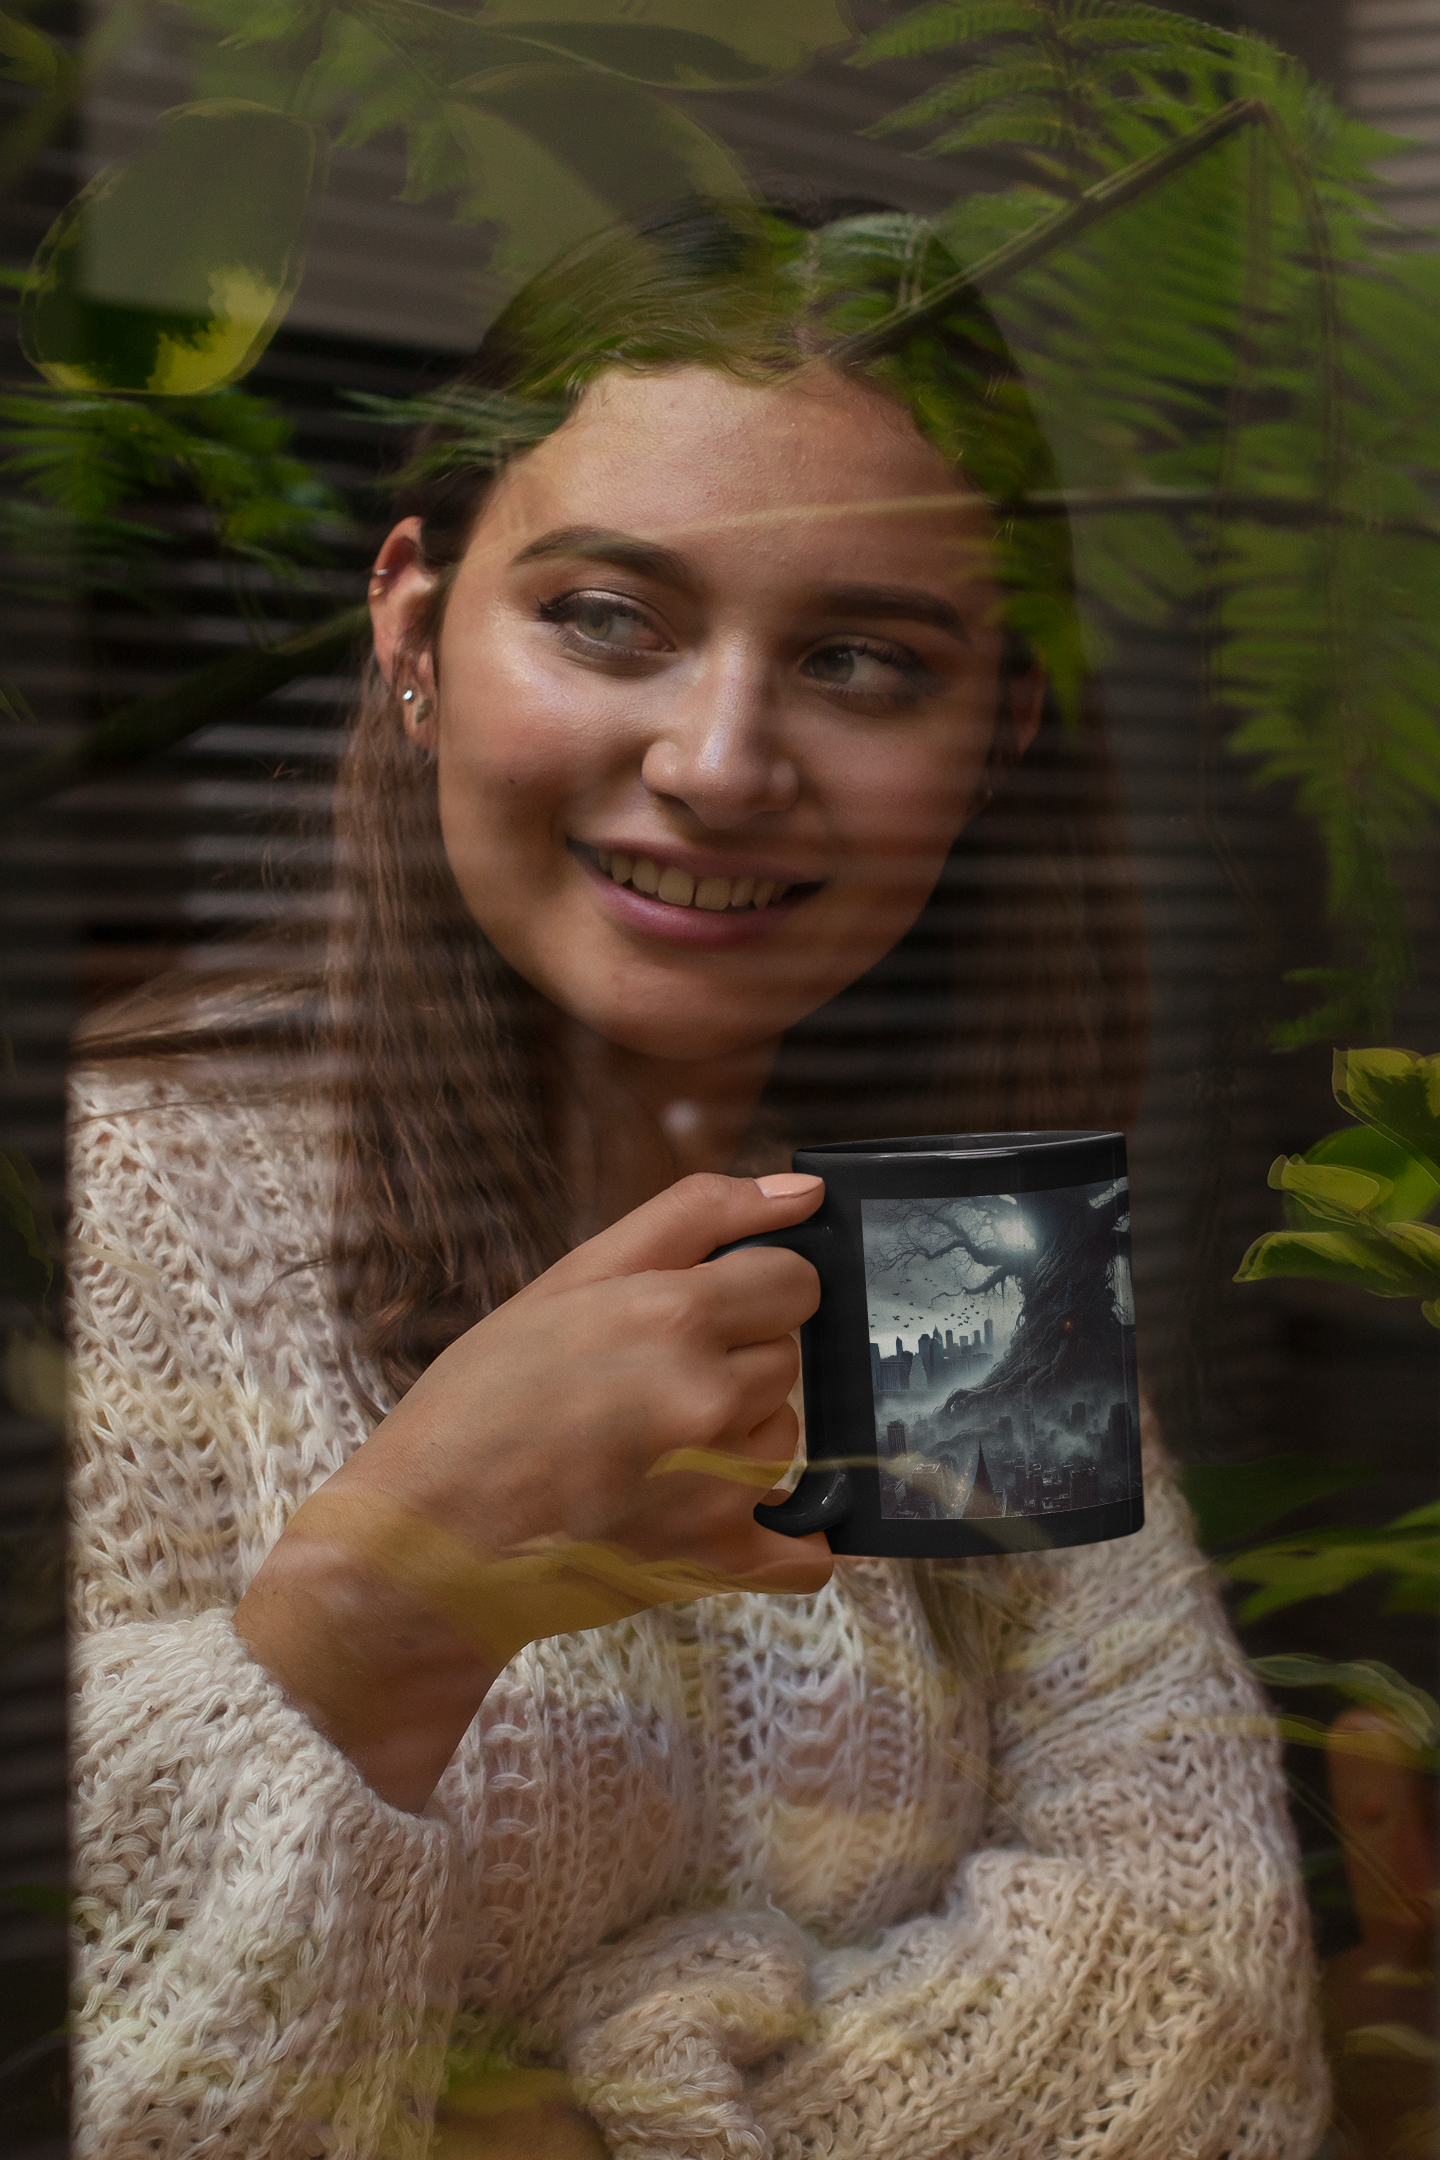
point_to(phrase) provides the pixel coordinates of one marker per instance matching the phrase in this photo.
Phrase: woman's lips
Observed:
(664, 900)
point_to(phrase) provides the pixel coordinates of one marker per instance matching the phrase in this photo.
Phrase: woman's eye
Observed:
(870, 671)
(600, 623)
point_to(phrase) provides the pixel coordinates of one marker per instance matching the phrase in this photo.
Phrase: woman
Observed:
(440, 1690)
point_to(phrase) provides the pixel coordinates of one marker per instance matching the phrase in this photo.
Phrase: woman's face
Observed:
(714, 694)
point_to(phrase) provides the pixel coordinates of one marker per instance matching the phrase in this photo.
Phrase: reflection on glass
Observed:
(457, 1764)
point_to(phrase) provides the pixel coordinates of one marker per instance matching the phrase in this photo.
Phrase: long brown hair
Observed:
(1016, 1002)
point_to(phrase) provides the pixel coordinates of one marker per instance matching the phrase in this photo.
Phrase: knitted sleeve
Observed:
(266, 1952)
(1121, 1970)
(1124, 1968)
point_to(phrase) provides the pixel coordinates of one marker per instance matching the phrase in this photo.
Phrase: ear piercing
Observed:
(422, 709)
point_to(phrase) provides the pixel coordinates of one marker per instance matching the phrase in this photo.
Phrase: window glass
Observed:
(603, 596)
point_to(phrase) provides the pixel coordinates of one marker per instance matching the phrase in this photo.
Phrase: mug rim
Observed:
(959, 1147)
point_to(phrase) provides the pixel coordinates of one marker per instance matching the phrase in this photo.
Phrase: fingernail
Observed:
(787, 1185)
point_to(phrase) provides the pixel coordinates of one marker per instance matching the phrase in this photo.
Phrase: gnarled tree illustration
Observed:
(1063, 1251)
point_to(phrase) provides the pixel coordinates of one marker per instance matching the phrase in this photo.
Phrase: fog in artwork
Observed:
(1002, 1359)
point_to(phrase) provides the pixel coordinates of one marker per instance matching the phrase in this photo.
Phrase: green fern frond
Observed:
(1001, 78)
(945, 24)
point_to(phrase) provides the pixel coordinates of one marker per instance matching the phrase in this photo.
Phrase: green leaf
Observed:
(245, 23)
(554, 154)
(1393, 1260)
(1399, 1094)
(1231, 1501)
(28, 56)
(665, 43)
(76, 463)
(27, 1264)
(1274, 339)
(170, 273)
(549, 150)
(1071, 88)
(682, 44)
(1413, 1191)
(1292, 1570)
(1364, 1680)
(1332, 1192)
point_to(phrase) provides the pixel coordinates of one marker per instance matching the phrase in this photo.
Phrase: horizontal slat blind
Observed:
(169, 863)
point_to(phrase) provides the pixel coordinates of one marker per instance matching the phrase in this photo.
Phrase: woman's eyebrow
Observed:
(890, 603)
(595, 544)
(882, 603)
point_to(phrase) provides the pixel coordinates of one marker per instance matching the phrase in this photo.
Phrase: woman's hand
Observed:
(594, 1447)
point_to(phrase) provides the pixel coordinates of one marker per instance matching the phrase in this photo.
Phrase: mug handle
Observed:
(823, 1497)
(820, 1501)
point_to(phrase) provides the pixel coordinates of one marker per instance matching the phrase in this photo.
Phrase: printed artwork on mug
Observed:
(1002, 1352)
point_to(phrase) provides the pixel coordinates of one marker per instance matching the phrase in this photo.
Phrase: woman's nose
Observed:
(718, 750)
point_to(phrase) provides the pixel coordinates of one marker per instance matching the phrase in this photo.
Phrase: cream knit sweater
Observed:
(990, 1860)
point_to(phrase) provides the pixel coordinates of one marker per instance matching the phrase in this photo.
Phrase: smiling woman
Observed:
(679, 585)
(723, 776)
(733, 708)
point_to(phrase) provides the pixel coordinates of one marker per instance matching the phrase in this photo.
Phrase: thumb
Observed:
(683, 1225)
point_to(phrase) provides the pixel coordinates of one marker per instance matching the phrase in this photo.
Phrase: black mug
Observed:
(970, 1373)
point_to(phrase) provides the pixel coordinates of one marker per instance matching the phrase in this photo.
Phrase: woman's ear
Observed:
(1021, 706)
(400, 585)
(1027, 703)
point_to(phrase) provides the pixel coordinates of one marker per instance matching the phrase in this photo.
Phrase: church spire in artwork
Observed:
(982, 1500)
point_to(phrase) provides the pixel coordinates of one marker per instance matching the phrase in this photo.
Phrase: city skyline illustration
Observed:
(896, 1309)
(1001, 1352)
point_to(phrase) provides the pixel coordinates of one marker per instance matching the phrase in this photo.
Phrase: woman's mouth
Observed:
(678, 889)
(713, 908)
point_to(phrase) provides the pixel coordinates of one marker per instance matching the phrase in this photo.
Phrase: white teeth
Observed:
(678, 888)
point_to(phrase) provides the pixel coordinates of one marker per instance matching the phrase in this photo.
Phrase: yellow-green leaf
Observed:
(28, 56)
(1413, 1191)
(1391, 1260)
(1398, 1093)
(1332, 1191)
(1404, 2042)
(1315, 1564)
(1362, 1680)
(170, 273)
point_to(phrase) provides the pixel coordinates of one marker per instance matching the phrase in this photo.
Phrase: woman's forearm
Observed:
(389, 1683)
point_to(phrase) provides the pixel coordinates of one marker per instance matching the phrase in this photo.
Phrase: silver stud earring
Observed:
(422, 710)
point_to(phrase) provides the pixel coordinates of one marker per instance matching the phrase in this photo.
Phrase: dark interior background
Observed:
(113, 883)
